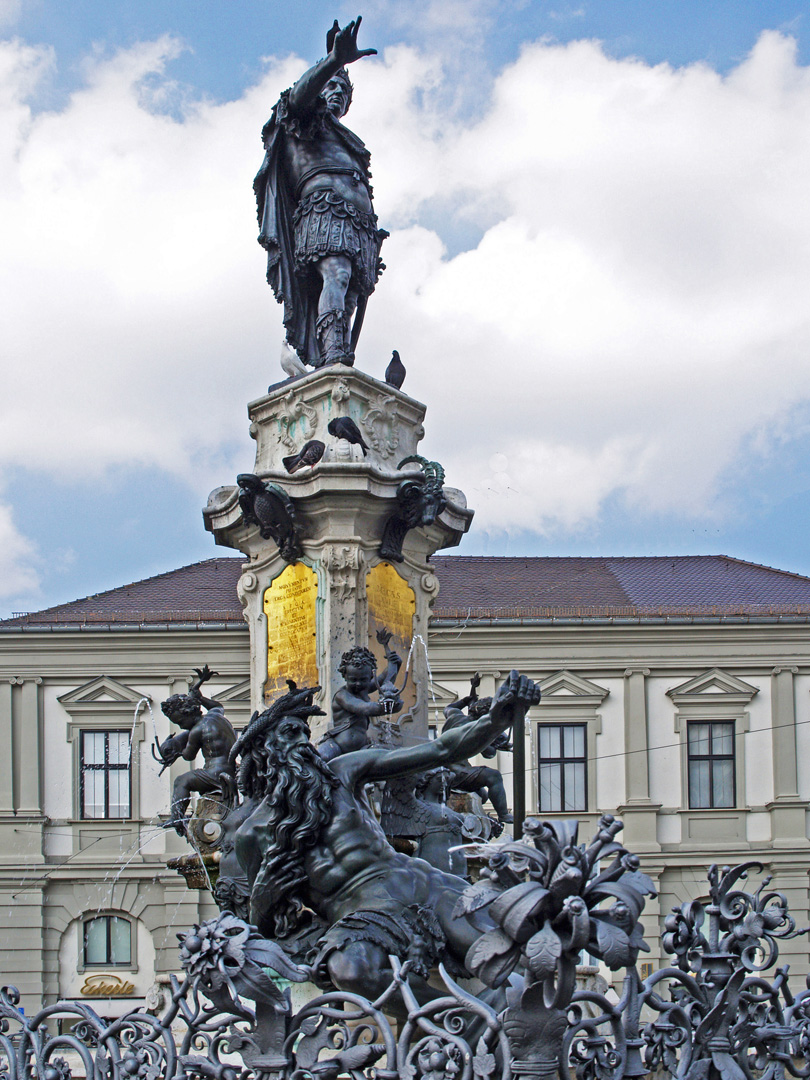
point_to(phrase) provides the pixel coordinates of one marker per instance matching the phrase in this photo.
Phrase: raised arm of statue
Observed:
(342, 45)
(454, 711)
(394, 660)
(208, 703)
(514, 697)
(203, 675)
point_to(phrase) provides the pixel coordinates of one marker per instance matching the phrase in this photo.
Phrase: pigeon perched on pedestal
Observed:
(309, 454)
(395, 372)
(343, 427)
(291, 362)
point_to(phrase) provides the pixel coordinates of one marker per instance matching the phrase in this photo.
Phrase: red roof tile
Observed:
(622, 587)
(480, 587)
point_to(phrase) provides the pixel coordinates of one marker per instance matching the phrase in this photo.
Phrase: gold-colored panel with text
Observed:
(290, 607)
(391, 606)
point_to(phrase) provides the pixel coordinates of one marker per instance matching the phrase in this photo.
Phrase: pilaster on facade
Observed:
(21, 747)
(636, 737)
(638, 811)
(787, 810)
(7, 806)
(22, 820)
(31, 746)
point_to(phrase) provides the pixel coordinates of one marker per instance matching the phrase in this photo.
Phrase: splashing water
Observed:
(421, 640)
(147, 701)
(172, 921)
(146, 834)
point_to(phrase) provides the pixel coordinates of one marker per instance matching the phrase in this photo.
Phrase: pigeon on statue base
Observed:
(343, 427)
(309, 454)
(290, 362)
(395, 372)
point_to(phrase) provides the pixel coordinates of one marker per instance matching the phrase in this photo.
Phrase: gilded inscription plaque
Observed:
(289, 606)
(391, 604)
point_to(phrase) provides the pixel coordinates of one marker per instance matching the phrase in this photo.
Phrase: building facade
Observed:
(676, 694)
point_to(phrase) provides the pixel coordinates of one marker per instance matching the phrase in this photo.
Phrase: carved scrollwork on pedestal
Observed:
(430, 583)
(380, 425)
(341, 391)
(293, 408)
(343, 563)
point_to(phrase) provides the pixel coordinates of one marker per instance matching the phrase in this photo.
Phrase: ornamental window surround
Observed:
(715, 701)
(102, 707)
(570, 706)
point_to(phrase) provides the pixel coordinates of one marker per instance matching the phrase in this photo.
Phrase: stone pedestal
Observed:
(303, 616)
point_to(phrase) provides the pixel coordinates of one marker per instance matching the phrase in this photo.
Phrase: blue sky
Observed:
(597, 270)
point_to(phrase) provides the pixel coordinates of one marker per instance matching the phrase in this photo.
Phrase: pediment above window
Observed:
(567, 688)
(236, 702)
(440, 695)
(102, 694)
(239, 692)
(712, 687)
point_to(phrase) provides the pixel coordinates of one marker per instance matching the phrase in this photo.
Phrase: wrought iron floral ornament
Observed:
(547, 898)
(550, 900)
(723, 1020)
(743, 928)
(228, 959)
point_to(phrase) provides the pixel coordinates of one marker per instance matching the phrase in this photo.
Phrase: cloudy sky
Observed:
(598, 269)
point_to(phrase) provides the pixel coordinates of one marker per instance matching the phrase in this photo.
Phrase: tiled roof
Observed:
(480, 587)
(203, 592)
(623, 587)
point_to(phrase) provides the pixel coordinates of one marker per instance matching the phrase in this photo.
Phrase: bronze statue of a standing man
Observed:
(313, 198)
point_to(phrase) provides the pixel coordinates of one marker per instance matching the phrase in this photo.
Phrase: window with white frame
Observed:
(711, 758)
(107, 942)
(563, 768)
(104, 774)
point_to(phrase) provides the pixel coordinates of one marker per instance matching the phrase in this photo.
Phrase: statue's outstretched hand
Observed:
(384, 636)
(344, 44)
(518, 692)
(204, 674)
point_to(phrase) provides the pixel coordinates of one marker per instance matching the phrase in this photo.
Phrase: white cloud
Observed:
(639, 308)
(18, 558)
(635, 310)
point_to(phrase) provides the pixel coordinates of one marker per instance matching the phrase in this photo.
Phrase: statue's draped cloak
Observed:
(275, 206)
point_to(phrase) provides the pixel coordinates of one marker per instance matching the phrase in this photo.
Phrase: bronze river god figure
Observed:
(316, 861)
